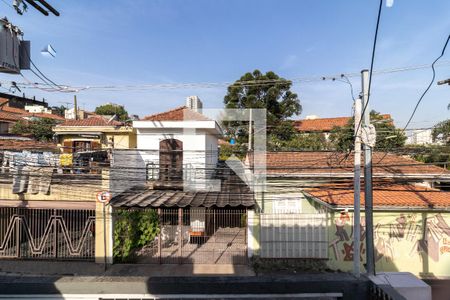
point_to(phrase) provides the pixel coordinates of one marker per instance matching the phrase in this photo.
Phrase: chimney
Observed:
(194, 103)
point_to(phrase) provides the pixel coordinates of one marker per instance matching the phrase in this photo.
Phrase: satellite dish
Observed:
(48, 51)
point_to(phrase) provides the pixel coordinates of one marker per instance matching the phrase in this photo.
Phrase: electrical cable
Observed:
(430, 84)
(371, 65)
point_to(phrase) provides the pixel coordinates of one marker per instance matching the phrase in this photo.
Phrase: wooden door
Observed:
(170, 160)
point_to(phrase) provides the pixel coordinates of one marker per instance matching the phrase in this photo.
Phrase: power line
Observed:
(147, 86)
(430, 84)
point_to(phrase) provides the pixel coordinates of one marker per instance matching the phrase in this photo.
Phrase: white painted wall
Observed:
(419, 137)
(36, 109)
(199, 138)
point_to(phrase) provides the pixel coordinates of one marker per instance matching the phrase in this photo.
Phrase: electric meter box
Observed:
(14, 53)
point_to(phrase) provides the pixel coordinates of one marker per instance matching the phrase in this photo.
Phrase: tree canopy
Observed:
(112, 109)
(441, 132)
(388, 137)
(269, 91)
(40, 129)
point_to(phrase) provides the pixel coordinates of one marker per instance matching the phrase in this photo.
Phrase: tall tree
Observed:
(388, 137)
(110, 109)
(441, 132)
(269, 91)
(40, 129)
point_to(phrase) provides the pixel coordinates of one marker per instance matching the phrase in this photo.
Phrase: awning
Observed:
(83, 133)
(143, 197)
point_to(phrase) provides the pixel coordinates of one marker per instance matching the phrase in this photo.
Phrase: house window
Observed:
(287, 205)
(80, 146)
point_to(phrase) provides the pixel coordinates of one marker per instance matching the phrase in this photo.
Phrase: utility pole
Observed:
(368, 193)
(250, 131)
(75, 106)
(357, 192)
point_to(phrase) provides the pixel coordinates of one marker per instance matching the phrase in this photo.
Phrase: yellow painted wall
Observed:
(416, 242)
(124, 137)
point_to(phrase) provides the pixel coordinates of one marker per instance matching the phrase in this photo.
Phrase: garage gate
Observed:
(33, 233)
(197, 235)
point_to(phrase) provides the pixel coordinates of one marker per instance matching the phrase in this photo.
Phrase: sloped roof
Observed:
(19, 114)
(408, 196)
(338, 163)
(182, 113)
(32, 145)
(92, 121)
(233, 192)
(15, 110)
(142, 197)
(48, 116)
(9, 117)
(325, 124)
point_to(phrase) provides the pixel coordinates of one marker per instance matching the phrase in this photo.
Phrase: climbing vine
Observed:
(133, 229)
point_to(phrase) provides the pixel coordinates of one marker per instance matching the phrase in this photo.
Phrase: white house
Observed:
(180, 144)
(37, 109)
(419, 137)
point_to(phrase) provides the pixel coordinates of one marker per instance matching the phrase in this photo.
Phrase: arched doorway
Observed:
(170, 160)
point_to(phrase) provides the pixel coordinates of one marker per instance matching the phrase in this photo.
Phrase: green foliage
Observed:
(307, 141)
(227, 150)
(112, 109)
(59, 110)
(258, 90)
(441, 132)
(438, 155)
(132, 230)
(40, 129)
(388, 137)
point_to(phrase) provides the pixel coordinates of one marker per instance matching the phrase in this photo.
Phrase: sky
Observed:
(114, 42)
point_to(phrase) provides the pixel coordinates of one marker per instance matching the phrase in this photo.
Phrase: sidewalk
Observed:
(78, 268)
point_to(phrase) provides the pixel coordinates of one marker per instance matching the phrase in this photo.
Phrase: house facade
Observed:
(200, 208)
(94, 133)
(180, 144)
(303, 213)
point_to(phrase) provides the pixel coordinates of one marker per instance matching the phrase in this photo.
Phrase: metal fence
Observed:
(28, 233)
(294, 236)
(197, 236)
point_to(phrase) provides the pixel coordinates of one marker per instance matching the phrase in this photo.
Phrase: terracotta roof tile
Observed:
(48, 116)
(325, 124)
(19, 145)
(338, 163)
(178, 114)
(388, 196)
(15, 110)
(92, 121)
(9, 117)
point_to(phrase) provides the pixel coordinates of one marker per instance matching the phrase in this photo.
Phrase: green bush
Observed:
(133, 229)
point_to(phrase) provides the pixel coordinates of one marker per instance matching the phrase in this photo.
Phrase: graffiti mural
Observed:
(428, 236)
(342, 246)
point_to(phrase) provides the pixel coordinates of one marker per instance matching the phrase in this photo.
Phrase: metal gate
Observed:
(198, 236)
(29, 233)
(294, 236)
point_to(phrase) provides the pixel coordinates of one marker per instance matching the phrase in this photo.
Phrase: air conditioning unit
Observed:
(14, 53)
